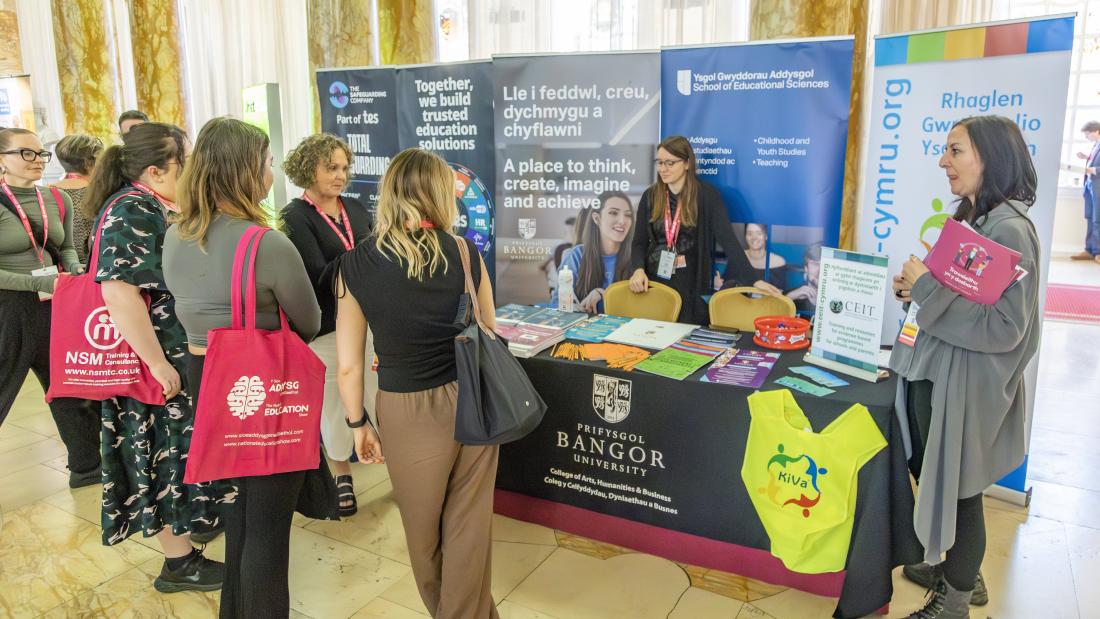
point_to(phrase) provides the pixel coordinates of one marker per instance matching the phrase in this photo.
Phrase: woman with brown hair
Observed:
(681, 219)
(77, 154)
(220, 194)
(144, 446)
(603, 254)
(444, 489)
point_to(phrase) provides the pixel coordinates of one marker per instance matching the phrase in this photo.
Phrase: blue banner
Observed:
(769, 126)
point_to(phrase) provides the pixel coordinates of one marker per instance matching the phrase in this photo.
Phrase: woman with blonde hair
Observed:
(444, 489)
(227, 176)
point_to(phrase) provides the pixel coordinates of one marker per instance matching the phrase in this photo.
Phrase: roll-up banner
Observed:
(447, 109)
(769, 126)
(360, 106)
(923, 83)
(568, 128)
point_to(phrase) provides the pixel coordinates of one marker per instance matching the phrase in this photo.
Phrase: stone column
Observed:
(341, 34)
(158, 60)
(87, 65)
(407, 31)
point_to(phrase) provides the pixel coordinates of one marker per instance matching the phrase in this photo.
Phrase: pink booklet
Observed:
(972, 265)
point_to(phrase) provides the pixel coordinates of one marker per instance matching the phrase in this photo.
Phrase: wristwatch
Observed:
(357, 424)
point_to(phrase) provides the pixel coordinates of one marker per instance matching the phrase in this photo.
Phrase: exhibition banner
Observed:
(568, 128)
(360, 106)
(925, 82)
(851, 301)
(262, 110)
(445, 108)
(16, 108)
(769, 125)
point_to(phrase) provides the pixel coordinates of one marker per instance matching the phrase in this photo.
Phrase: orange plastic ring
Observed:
(782, 332)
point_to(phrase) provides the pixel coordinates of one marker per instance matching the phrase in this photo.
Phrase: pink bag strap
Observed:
(60, 203)
(93, 259)
(244, 310)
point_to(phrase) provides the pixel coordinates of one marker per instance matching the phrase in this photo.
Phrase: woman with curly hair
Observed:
(324, 225)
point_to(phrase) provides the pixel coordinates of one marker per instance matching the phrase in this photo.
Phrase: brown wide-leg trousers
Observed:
(445, 493)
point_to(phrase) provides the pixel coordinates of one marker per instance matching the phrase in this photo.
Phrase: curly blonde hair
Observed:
(301, 163)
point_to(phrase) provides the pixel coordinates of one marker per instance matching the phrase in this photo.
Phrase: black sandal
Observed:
(345, 491)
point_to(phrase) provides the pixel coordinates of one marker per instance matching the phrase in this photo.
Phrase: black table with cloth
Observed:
(666, 478)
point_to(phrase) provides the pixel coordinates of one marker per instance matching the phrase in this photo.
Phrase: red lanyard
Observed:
(73, 176)
(349, 240)
(39, 251)
(672, 228)
(165, 202)
(426, 224)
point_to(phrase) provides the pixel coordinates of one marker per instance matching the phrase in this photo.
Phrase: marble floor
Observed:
(1039, 563)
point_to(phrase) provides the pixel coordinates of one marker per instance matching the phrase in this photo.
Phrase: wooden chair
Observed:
(734, 308)
(658, 303)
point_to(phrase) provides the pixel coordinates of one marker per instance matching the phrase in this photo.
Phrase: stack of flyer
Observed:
(740, 367)
(972, 265)
(686, 356)
(531, 330)
(652, 334)
(596, 329)
(513, 314)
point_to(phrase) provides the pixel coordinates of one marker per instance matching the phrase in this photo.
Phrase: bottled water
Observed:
(566, 296)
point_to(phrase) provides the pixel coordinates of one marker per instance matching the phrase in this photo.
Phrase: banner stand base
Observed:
(867, 375)
(1008, 495)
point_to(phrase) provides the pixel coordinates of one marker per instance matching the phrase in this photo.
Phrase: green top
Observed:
(17, 256)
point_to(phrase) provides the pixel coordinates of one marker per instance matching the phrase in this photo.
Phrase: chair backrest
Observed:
(658, 303)
(733, 308)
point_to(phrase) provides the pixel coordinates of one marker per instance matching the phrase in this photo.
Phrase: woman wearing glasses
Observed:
(35, 241)
(680, 219)
(77, 154)
(144, 446)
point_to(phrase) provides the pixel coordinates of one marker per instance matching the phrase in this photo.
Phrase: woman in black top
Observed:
(678, 249)
(323, 225)
(407, 281)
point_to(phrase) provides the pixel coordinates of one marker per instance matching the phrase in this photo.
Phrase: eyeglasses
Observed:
(29, 154)
(667, 163)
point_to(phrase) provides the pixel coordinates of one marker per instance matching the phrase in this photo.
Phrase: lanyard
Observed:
(349, 240)
(672, 228)
(165, 202)
(39, 251)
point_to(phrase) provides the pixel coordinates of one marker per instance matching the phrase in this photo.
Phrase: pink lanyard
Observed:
(349, 240)
(672, 228)
(39, 251)
(165, 202)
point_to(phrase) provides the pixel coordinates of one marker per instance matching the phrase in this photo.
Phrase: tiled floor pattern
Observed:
(1042, 562)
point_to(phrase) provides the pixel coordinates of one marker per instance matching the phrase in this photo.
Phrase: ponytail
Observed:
(107, 178)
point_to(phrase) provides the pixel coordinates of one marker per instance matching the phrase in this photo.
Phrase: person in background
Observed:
(1091, 129)
(603, 255)
(682, 219)
(34, 236)
(965, 438)
(77, 154)
(763, 261)
(145, 446)
(444, 489)
(218, 203)
(324, 226)
(805, 296)
(129, 119)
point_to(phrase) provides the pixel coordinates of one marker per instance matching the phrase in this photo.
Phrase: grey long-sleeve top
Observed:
(975, 355)
(17, 258)
(199, 278)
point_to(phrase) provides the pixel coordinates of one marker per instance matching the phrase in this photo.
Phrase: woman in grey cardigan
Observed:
(961, 397)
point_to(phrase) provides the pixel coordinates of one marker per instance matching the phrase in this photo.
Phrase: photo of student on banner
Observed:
(805, 295)
(682, 220)
(603, 254)
(766, 264)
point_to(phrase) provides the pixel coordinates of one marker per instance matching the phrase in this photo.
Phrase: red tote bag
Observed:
(259, 404)
(88, 357)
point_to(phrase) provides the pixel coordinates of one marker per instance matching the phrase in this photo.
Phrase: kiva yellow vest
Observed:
(803, 484)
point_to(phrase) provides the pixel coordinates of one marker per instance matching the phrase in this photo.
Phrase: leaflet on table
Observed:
(820, 376)
(674, 362)
(711, 337)
(529, 340)
(653, 334)
(804, 386)
(972, 265)
(512, 313)
(742, 368)
(595, 329)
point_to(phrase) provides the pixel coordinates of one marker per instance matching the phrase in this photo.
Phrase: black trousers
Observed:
(964, 559)
(257, 537)
(25, 347)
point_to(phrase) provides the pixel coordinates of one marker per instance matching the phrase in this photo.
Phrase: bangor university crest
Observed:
(611, 397)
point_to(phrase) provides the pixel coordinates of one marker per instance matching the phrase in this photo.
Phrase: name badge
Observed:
(909, 328)
(681, 261)
(667, 265)
(46, 271)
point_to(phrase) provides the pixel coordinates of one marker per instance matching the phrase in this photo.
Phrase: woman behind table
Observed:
(144, 446)
(323, 225)
(444, 489)
(603, 255)
(681, 218)
(227, 177)
(964, 439)
(30, 215)
(77, 154)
